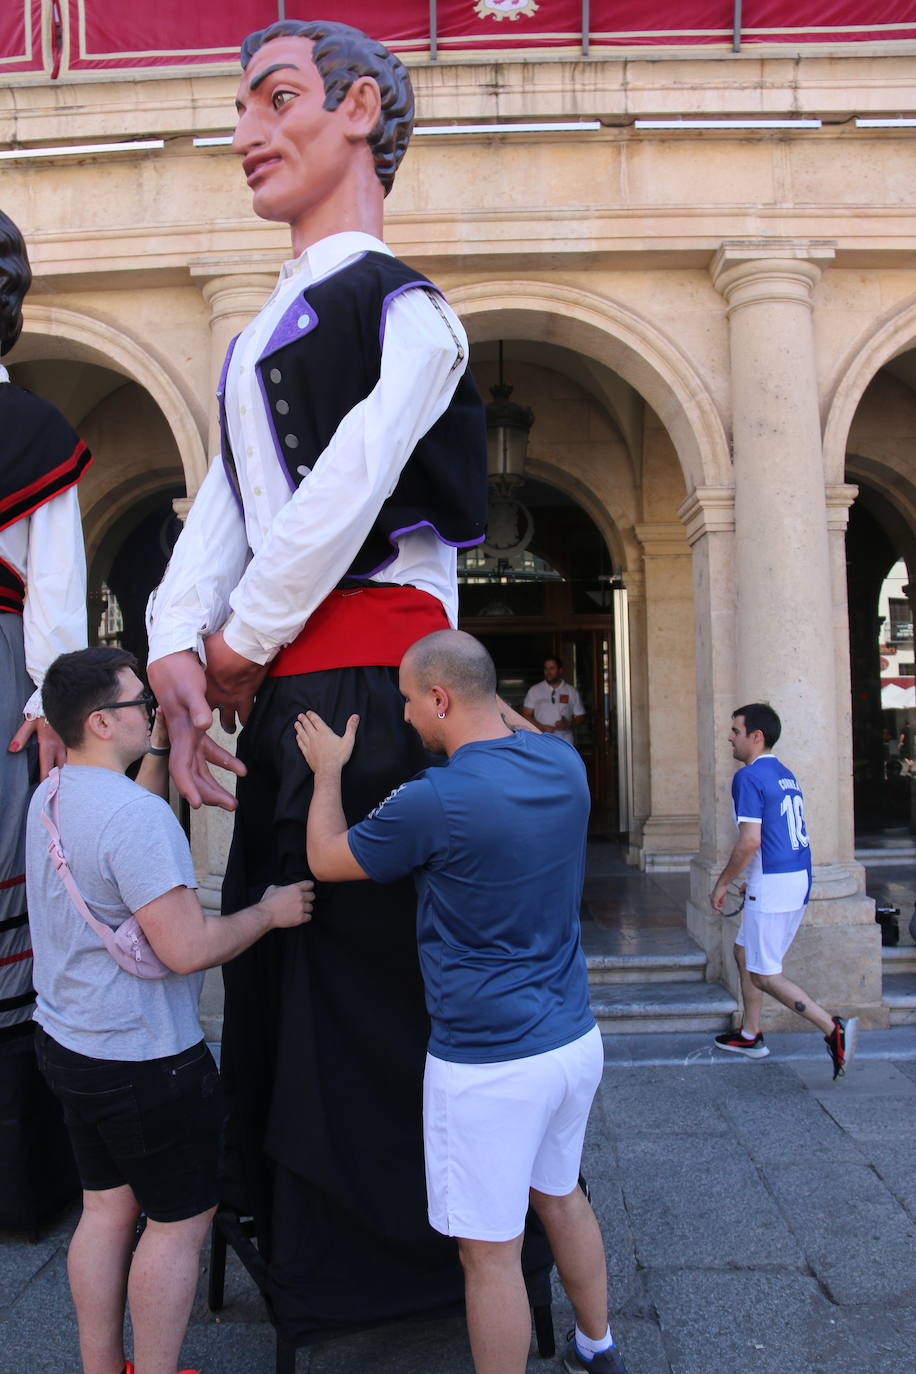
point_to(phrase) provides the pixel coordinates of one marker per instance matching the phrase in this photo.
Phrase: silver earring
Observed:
(441, 715)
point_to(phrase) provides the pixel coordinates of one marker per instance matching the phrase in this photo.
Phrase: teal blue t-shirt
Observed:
(496, 843)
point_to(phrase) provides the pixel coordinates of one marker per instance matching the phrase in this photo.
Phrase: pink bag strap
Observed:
(59, 859)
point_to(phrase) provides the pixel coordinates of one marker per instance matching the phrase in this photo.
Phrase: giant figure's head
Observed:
(342, 54)
(15, 280)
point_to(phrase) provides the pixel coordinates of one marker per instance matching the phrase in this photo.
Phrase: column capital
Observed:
(840, 496)
(181, 505)
(708, 510)
(753, 271)
(662, 539)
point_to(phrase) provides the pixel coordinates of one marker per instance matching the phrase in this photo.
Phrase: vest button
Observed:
(282, 407)
(276, 375)
(291, 441)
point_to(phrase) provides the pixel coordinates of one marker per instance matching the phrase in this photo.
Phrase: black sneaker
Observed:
(841, 1043)
(738, 1044)
(608, 1361)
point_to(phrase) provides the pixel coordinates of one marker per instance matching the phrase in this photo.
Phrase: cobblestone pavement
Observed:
(758, 1219)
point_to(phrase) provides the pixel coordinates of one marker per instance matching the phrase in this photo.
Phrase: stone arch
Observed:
(109, 347)
(606, 331)
(893, 333)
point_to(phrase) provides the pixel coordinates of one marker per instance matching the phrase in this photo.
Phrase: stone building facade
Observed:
(714, 327)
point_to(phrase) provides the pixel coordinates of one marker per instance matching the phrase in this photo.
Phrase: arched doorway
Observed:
(595, 566)
(880, 547)
(545, 588)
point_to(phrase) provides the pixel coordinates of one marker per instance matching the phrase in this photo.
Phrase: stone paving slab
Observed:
(731, 1248)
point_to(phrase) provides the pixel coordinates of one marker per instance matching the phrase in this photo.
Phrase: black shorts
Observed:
(153, 1124)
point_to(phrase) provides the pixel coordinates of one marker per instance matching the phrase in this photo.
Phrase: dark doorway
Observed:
(540, 587)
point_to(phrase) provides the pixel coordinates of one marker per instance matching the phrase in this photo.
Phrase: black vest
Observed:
(324, 359)
(40, 456)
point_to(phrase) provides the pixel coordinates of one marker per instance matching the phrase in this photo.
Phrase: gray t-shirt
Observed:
(125, 848)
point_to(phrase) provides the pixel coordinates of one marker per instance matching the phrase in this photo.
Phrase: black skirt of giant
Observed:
(325, 1037)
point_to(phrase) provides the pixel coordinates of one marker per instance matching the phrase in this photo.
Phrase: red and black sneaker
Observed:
(739, 1044)
(841, 1043)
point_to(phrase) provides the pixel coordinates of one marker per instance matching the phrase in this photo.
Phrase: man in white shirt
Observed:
(318, 549)
(553, 704)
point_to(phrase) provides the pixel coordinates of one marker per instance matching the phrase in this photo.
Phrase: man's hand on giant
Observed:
(179, 684)
(52, 752)
(320, 747)
(289, 906)
(232, 681)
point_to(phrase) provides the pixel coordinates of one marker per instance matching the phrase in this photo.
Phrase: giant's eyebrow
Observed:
(256, 81)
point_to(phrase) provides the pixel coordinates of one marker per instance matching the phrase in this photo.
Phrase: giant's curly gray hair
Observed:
(15, 280)
(342, 54)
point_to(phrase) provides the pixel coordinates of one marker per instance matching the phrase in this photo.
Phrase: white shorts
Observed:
(492, 1131)
(765, 937)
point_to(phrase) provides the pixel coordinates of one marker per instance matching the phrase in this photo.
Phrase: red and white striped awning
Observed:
(61, 36)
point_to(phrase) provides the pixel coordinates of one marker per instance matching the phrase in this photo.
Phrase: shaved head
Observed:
(453, 660)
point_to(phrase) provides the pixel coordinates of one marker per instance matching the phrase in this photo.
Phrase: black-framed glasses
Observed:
(147, 700)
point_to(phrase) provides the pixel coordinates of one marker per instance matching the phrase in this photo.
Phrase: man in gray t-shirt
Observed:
(126, 1055)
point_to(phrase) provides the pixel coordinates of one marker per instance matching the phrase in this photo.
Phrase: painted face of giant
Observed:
(294, 152)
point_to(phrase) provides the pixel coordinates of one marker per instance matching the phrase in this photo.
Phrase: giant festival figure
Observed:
(42, 614)
(319, 548)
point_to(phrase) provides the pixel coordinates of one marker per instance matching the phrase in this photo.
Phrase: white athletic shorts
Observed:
(765, 936)
(492, 1131)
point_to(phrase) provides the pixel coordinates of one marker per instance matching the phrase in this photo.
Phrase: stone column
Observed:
(786, 650)
(708, 515)
(234, 298)
(641, 800)
(670, 830)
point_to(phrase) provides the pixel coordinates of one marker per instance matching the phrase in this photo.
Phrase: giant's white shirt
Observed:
(46, 550)
(269, 568)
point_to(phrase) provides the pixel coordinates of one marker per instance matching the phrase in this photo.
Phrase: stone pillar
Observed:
(708, 516)
(641, 800)
(786, 649)
(234, 298)
(669, 832)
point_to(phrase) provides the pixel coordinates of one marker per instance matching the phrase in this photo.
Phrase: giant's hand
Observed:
(232, 681)
(52, 752)
(179, 684)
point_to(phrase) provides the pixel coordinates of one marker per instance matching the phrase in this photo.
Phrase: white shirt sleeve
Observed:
(192, 600)
(314, 538)
(54, 615)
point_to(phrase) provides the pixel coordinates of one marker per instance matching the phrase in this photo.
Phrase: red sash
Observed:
(361, 627)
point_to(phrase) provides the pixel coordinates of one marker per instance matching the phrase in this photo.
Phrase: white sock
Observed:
(745, 1036)
(589, 1348)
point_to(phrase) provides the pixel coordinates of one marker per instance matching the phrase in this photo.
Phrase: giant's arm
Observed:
(54, 614)
(192, 601)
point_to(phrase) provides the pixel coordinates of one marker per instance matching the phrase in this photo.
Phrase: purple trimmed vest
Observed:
(323, 359)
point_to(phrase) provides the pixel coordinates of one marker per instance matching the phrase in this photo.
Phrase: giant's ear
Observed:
(361, 108)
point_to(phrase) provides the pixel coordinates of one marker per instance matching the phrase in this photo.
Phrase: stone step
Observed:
(656, 1007)
(898, 959)
(646, 967)
(899, 996)
(633, 954)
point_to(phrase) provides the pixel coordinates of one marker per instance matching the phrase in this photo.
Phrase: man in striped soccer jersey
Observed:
(773, 846)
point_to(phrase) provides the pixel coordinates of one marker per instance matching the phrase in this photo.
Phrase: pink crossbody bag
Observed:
(127, 945)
